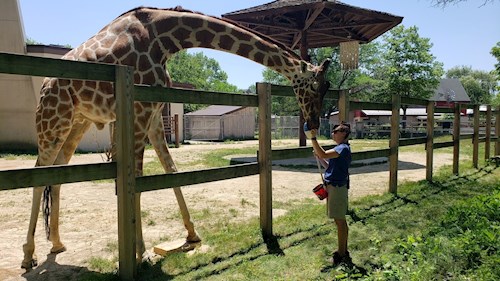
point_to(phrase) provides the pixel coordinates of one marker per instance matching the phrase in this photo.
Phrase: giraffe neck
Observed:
(174, 31)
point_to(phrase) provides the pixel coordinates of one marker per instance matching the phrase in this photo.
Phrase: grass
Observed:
(392, 237)
(445, 230)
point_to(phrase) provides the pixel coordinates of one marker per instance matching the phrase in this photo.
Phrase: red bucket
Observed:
(320, 191)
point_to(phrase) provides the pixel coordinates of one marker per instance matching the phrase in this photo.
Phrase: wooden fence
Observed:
(122, 167)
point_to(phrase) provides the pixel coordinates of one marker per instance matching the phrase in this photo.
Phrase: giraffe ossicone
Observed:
(145, 38)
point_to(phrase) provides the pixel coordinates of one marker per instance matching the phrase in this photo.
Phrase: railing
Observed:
(123, 167)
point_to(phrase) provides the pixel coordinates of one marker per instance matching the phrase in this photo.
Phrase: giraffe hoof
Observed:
(193, 238)
(29, 264)
(57, 250)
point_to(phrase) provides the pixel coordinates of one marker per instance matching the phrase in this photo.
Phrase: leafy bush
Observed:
(464, 244)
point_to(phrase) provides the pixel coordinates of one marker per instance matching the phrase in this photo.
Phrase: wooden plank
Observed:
(394, 144)
(497, 131)
(264, 158)
(475, 139)
(161, 94)
(466, 136)
(487, 143)
(429, 156)
(125, 178)
(287, 91)
(369, 154)
(164, 181)
(292, 153)
(442, 144)
(456, 138)
(412, 141)
(282, 91)
(48, 67)
(414, 101)
(57, 174)
(444, 110)
(370, 105)
(170, 247)
(343, 105)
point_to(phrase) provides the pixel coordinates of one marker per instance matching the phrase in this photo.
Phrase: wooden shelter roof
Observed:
(327, 22)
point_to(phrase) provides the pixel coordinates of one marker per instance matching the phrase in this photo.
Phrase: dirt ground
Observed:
(88, 210)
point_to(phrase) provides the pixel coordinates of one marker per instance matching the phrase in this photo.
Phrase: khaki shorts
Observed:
(338, 201)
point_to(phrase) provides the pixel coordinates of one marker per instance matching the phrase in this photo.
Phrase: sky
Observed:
(461, 34)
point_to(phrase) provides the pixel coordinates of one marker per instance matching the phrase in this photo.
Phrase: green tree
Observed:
(444, 3)
(495, 51)
(479, 85)
(408, 68)
(282, 106)
(200, 71)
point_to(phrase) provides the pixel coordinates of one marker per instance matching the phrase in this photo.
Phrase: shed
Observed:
(220, 122)
(449, 91)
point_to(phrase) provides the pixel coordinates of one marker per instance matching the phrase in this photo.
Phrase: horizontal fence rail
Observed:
(162, 94)
(48, 67)
(57, 174)
(287, 91)
(155, 182)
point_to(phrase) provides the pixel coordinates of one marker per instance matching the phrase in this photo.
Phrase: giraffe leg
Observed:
(156, 136)
(30, 260)
(64, 156)
(57, 245)
(66, 147)
(141, 253)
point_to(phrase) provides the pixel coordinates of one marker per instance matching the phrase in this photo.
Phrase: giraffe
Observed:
(146, 38)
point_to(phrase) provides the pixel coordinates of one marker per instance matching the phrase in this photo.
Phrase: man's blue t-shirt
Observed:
(337, 173)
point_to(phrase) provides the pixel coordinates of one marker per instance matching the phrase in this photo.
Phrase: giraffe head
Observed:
(310, 87)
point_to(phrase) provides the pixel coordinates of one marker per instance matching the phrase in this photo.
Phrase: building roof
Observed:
(47, 49)
(215, 110)
(327, 22)
(450, 90)
(420, 111)
(409, 112)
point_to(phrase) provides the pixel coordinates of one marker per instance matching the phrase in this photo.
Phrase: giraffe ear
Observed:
(303, 66)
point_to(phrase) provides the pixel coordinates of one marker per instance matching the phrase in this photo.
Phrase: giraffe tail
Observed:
(46, 205)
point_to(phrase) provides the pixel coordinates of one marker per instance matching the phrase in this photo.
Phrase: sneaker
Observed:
(338, 259)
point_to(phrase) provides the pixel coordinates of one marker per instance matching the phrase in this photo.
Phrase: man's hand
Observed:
(314, 132)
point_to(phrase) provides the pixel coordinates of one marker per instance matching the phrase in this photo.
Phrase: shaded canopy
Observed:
(326, 23)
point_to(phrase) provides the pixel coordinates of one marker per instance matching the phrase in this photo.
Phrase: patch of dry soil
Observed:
(88, 210)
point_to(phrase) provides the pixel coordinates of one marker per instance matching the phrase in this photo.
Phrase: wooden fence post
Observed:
(487, 144)
(264, 158)
(497, 131)
(125, 166)
(456, 138)
(394, 144)
(343, 104)
(475, 137)
(176, 130)
(428, 144)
